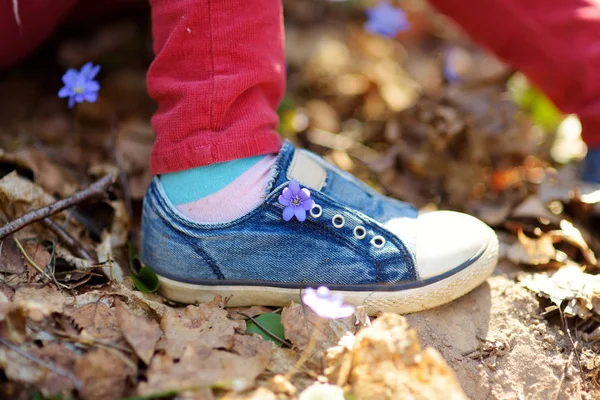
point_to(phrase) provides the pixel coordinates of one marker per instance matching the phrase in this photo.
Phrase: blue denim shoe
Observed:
(590, 168)
(332, 230)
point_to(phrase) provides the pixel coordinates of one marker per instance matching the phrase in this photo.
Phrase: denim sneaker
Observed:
(318, 225)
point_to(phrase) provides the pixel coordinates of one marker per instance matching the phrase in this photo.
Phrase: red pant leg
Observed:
(218, 77)
(556, 43)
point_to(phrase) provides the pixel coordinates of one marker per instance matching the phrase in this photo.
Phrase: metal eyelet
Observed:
(378, 241)
(360, 232)
(316, 211)
(338, 221)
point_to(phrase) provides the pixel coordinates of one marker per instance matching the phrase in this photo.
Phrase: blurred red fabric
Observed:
(556, 43)
(219, 71)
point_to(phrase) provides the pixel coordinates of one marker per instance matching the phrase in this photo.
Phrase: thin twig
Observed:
(268, 332)
(68, 240)
(51, 367)
(96, 189)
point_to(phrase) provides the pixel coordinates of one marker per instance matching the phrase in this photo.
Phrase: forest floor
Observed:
(386, 110)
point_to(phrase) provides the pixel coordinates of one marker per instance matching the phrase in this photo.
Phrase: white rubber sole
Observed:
(400, 301)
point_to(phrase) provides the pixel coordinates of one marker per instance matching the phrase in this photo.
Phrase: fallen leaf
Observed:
(46, 298)
(103, 374)
(11, 258)
(21, 369)
(207, 324)
(580, 291)
(141, 333)
(387, 362)
(203, 368)
(98, 320)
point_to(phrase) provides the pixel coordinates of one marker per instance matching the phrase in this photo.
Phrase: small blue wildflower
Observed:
(80, 86)
(326, 304)
(296, 201)
(449, 67)
(386, 20)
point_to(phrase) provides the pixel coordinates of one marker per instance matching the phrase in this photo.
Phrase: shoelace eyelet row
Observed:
(338, 221)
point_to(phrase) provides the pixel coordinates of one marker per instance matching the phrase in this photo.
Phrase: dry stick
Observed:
(45, 364)
(68, 240)
(268, 332)
(96, 189)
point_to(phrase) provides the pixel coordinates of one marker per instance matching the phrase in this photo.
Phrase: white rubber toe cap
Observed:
(447, 239)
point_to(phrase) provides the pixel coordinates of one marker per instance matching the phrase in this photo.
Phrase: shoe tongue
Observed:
(299, 165)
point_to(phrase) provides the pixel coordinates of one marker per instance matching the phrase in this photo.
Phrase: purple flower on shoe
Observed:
(386, 20)
(80, 85)
(326, 304)
(296, 201)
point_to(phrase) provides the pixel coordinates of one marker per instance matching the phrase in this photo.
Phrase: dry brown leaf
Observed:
(103, 374)
(570, 284)
(98, 320)
(202, 368)
(150, 303)
(19, 195)
(50, 382)
(541, 251)
(20, 369)
(386, 362)
(46, 298)
(46, 173)
(11, 258)
(141, 333)
(207, 324)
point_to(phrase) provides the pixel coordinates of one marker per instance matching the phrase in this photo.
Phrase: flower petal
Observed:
(288, 213)
(93, 72)
(300, 214)
(71, 101)
(92, 86)
(64, 92)
(287, 193)
(90, 96)
(86, 70)
(283, 201)
(304, 194)
(70, 77)
(308, 204)
(294, 187)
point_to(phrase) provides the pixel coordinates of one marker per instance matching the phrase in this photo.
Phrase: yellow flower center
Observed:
(296, 201)
(78, 90)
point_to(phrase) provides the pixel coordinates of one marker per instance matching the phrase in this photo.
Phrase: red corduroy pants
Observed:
(219, 71)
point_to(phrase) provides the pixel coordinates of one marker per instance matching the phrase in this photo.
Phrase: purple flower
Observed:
(386, 20)
(296, 201)
(325, 304)
(80, 86)
(449, 67)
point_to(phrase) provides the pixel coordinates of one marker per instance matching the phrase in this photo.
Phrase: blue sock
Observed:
(590, 171)
(193, 184)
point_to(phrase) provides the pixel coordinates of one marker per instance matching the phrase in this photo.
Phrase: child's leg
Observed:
(556, 43)
(218, 77)
(288, 221)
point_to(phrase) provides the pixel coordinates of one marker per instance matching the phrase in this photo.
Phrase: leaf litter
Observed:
(377, 108)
